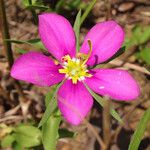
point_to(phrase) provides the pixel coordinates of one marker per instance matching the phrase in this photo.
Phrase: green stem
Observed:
(5, 34)
(87, 11)
(51, 126)
(50, 132)
(35, 17)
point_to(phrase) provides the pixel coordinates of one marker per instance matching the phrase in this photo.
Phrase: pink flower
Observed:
(101, 43)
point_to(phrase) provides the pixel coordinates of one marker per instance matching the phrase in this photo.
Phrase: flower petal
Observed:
(106, 37)
(116, 83)
(74, 101)
(36, 68)
(57, 35)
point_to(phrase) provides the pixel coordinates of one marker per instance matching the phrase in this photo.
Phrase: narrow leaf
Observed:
(59, 4)
(73, 4)
(49, 110)
(22, 51)
(139, 132)
(49, 95)
(76, 28)
(40, 7)
(51, 106)
(87, 11)
(102, 102)
(50, 132)
(51, 126)
(27, 2)
(33, 42)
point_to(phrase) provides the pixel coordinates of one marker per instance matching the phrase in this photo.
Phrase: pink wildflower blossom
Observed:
(100, 44)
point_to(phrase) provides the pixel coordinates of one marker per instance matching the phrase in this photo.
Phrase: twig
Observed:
(120, 63)
(108, 7)
(106, 123)
(24, 102)
(14, 118)
(3, 65)
(5, 34)
(5, 93)
(100, 141)
(12, 111)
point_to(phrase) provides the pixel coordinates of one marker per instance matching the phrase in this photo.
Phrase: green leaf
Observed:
(22, 51)
(27, 2)
(146, 35)
(76, 28)
(7, 141)
(51, 106)
(33, 42)
(49, 95)
(101, 101)
(34, 4)
(74, 4)
(64, 133)
(49, 110)
(40, 7)
(27, 136)
(50, 132)
(144, 54)
(15, 41)
(37, 43)
(59, 4)
(17, 146)
(87, 11)
(51, 121)
(139, 132)
(141, 34)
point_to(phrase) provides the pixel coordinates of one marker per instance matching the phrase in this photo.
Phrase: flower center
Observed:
(74, 69)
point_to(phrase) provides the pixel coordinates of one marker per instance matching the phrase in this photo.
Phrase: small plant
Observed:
(70, 69)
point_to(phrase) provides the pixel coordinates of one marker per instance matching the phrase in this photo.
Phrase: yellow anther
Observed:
(74, 69)
(66, 58)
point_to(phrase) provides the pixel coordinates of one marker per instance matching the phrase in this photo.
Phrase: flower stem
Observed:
(87, 11)
(35, 17)
(51, 126)
(5, 34)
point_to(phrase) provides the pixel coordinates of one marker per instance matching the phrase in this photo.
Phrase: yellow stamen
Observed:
(74, 69)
